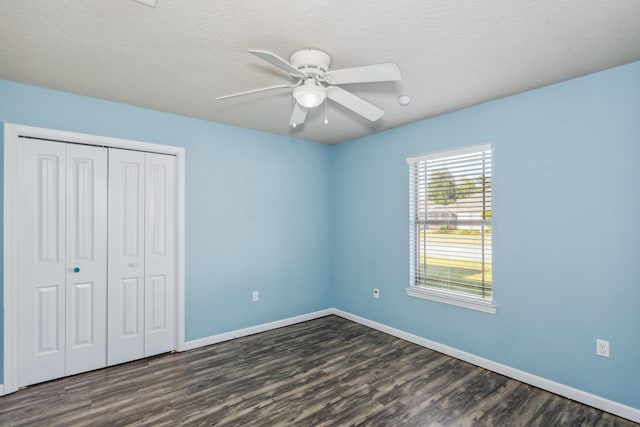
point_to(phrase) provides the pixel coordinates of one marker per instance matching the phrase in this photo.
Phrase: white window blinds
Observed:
(450, 216)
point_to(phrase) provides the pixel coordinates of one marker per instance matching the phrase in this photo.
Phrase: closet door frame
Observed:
(12, 135)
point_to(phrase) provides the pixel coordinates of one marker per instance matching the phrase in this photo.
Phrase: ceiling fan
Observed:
(316, 82)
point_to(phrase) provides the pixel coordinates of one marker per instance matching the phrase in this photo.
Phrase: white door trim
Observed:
(12, 134)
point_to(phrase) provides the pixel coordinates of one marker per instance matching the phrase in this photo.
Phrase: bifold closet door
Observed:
(160, 220)
(126, 256)
(86, 275)
(141, 255)
(62, 259)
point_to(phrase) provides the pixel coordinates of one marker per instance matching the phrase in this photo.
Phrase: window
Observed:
(450, 227)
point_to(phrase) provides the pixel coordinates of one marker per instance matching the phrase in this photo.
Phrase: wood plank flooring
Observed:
(325, 372)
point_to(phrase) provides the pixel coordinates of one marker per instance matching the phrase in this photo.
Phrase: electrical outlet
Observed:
(255, 296)
(602, 348)
(376, 293)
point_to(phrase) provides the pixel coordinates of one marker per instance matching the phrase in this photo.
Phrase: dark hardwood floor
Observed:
(328, 371)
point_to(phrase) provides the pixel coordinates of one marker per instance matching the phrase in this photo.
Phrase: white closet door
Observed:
(159, 254)
(96, 257)
(126, 256)
(42, 261)
(86, 273)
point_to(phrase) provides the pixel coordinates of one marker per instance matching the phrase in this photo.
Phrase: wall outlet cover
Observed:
(602, 348)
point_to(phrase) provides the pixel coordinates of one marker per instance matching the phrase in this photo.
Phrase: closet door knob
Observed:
(76, 270)
(133, 264)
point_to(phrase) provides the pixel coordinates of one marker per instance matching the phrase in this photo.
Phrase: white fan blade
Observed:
(274, 59)
(256, 90)
(151, 3)
(371, 73)
(354, 103)
(298, 116)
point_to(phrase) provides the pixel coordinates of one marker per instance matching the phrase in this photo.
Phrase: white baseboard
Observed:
(226, 336)
(525, 377)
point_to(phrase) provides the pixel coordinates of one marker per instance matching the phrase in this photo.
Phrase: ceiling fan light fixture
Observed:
(310, 94)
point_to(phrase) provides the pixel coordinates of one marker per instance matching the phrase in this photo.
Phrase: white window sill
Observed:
(452, 298)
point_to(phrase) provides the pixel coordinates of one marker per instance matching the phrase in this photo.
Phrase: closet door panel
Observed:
(86, 272)
(160, 254)
(41, 261)
(126, 256)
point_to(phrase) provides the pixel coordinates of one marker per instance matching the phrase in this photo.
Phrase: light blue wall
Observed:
(565, 230)
(257, 206)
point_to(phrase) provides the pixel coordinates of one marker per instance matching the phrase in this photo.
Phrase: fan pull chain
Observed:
(294, 125)
(326, 120)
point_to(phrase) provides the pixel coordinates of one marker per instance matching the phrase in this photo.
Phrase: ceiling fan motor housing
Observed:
(311, 61)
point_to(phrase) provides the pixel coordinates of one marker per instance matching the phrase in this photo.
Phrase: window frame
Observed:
(445, 296)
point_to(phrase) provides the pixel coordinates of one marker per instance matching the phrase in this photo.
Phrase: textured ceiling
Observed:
(180, 55)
